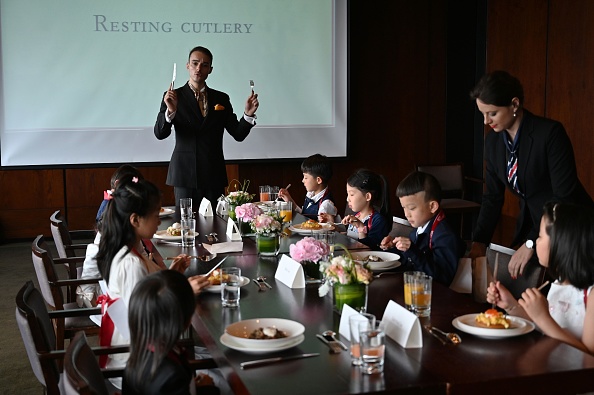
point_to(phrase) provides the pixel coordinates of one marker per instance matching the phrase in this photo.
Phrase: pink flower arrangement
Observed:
(309, 249)
(344, 270)
(267, 224)
(247, 212)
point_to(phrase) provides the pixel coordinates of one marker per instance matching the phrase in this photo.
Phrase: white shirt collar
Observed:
(317, 196)
(421, 229)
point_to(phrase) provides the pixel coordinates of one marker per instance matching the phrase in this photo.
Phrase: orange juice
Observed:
(287, 214)
(264, 196)
(408, 290)
(355, 350)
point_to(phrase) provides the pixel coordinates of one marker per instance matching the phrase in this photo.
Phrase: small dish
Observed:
(388, 261)
(163, 235)
(297, 228)
(240, 332)
(217, 288)
(230, 342)
(165, 212)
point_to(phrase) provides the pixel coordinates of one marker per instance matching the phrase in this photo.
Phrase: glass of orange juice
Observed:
(408, 285)
(286, 211)
(264, 193)
(421, 295)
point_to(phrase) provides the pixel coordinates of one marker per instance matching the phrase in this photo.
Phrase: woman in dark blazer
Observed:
(531, 156)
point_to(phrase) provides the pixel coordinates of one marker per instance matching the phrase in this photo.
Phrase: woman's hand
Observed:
(180, 263)
(519, 260)
(198, 283)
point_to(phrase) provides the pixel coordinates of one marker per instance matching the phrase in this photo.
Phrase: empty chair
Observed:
(453, 185)
(533, 275)
(63, 237)
(51, 289)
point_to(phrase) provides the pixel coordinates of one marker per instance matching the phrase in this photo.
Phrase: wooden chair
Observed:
(63, 237)
(51, 289)
(35, 324)
(453, 185)
(533, 273)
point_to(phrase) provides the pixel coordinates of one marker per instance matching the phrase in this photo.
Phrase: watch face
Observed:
(530, 244)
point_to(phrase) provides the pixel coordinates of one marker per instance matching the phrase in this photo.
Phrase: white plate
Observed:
(519, 326)
(389, 259)
(241, 330)
(162, 234)
(217, 288)
(297, 229)
(166, 211)
(229, 341)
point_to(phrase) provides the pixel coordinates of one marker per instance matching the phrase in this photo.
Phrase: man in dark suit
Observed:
(200, 115)
(531, 156)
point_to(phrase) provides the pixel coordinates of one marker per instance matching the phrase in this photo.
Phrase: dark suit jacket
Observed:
(441, 260)
(546, 172)
(197, 160)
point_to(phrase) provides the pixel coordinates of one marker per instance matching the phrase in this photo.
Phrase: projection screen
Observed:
(82, 80)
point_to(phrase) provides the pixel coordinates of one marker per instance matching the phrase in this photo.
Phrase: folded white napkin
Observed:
(227, 246)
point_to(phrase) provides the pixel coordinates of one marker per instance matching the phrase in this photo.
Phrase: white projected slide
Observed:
(82, 80)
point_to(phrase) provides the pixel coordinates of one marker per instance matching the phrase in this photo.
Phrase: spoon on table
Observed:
(331, 336)
(263, 280)
(451, 336)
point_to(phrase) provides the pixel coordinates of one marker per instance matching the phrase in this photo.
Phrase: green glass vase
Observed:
(268, 245)
(355, 295)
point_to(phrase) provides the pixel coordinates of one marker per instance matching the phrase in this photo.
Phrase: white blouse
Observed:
(567, 307)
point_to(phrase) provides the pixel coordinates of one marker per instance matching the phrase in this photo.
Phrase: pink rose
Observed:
(309, 249)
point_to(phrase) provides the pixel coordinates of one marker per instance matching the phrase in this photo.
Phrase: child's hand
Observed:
(498, 294)
(285, 195)
(402, 243)
(534, 304)
(202, 380)
(325, 217)
(356, 222)
(387, 243)
(198, 283)
(180, 263)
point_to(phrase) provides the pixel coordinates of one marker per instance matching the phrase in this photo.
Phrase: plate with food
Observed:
(265, 333)
(310, 226)
(172, 233)
(377, 260)
(215, 282)
(493, 324)
(229, 341)
(164, 212)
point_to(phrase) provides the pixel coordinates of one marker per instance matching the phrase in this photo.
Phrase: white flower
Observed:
(324, 289)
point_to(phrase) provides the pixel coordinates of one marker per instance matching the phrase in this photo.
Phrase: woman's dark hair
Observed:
(368, 181)
(318, 166)
(571, 230)
(418, 181)
(498, 89)
(160, 309)
(132, 195)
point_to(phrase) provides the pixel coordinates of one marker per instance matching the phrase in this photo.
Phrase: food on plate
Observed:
(492, 319)
(373, 258)
(267, 333)
(311, 224)
(216, 277)
(174, 230)
(162, 210)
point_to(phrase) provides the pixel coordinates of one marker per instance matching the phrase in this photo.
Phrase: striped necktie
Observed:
(512, 169)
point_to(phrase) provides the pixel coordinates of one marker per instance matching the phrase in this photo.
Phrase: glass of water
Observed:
(230, 286)
(185, 208)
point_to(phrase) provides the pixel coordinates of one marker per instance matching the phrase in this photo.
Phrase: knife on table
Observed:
(268, 361)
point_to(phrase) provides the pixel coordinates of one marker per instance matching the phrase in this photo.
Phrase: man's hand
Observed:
(170, 100)
(251, 105)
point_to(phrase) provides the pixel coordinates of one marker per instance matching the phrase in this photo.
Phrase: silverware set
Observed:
(329, 339)
(452, 337)
(260, 281)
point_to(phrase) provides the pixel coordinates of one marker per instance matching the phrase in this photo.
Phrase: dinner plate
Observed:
(228, 341)
(297, 228)
(163, 235)
(519, 326)
(217, 288)
(389, 259)
(166, 212)
(240, 332)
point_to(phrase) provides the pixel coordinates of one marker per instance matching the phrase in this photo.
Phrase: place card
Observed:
(462, 282)
(402, 326)
(222, 207)
(224, 247)
(290, 272)
(205, 208)
(344, 328)
(232, 231)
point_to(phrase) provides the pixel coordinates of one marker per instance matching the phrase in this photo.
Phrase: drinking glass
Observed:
(421, 295)
(408, 283)
(264, 193)
(188, 233)
(363, 322)
(286, 211)
(274, 193)
(230, 286)
(331, 240)
(185, 208)
(373, 348)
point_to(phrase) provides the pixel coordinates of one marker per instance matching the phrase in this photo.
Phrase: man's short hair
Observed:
(203, 50)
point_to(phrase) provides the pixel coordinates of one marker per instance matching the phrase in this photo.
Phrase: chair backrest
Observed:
(400, 227)
(46, 274)
(82, 371)
(61, 235)
(449, 176)
(38, 335)
(533, 274)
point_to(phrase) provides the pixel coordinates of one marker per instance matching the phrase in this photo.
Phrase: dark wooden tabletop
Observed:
(532, 363)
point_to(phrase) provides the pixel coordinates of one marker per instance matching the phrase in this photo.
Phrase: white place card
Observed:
(232, 231)
(224, 247)
(402, 326)
(222, 207)
(462, 282)
(205, 208)
(290, 272)
(344, 328)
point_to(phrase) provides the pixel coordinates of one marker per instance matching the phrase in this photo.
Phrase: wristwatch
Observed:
(530, 244)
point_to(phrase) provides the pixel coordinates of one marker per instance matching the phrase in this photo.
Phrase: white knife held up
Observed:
(173, 78)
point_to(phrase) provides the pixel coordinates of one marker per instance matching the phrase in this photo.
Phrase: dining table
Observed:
(529, 363)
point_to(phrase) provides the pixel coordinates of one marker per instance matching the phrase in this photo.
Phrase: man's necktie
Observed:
(202, 103)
